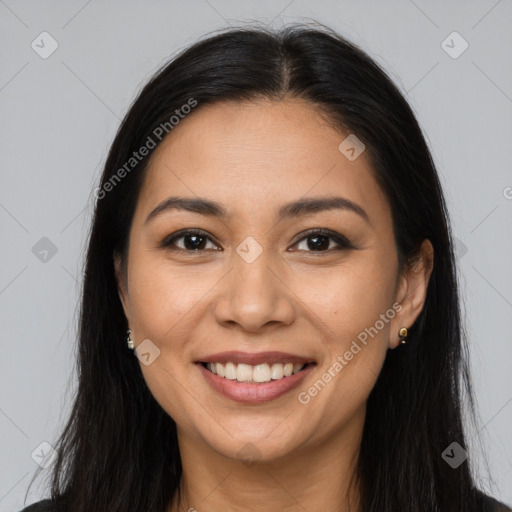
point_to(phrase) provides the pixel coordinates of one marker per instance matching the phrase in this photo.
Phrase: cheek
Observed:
(360, 313)
(350, 298)
(165, 301)
(355, 307)
(163, 296)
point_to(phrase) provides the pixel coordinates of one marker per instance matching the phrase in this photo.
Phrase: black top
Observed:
(490, 505)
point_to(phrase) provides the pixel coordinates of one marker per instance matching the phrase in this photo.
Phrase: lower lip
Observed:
(252, 393)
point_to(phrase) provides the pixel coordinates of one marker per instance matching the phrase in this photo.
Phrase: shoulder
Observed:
(40, 506)
(492, 505)
(489, 505)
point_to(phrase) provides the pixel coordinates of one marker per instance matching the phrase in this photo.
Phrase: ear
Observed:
(122, 285)
(412, 291)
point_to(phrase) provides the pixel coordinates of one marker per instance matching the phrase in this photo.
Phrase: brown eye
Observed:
(193, 240)
(317, 240)
(320, 240)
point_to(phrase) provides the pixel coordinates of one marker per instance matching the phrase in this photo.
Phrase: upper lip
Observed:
(253, 359)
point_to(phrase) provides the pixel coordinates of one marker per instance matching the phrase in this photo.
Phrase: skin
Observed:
(253, 157)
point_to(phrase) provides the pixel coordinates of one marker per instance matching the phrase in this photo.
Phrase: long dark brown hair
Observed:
(118, 451)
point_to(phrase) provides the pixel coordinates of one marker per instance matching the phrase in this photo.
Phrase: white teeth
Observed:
(230, 371)
(244, 373)
(220, 369)
(258, 373)
(261, 373)
(276, 371)
(297, 368)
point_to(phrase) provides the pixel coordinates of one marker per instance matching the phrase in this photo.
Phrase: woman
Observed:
(270, 315)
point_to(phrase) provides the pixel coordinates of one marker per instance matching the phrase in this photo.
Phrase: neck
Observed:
(319, 477)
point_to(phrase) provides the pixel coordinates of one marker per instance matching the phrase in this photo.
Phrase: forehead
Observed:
(244, 154)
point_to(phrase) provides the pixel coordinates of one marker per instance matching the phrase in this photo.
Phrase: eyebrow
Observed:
(297, 208)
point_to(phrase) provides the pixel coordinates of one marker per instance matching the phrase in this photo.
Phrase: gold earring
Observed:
(403, 334)
(129, 341)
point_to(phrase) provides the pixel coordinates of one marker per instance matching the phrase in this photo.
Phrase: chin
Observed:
(252, 447)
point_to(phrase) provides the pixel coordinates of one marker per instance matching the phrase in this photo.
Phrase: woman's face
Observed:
(259, 292)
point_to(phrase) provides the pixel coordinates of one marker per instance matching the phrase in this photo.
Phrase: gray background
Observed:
(59, 116)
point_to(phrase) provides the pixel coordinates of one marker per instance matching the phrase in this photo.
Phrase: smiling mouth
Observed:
(255, 374)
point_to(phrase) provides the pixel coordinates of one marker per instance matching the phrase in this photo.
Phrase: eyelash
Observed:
(341, 240)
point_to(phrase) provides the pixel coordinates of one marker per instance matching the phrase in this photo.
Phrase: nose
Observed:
(255, 295)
